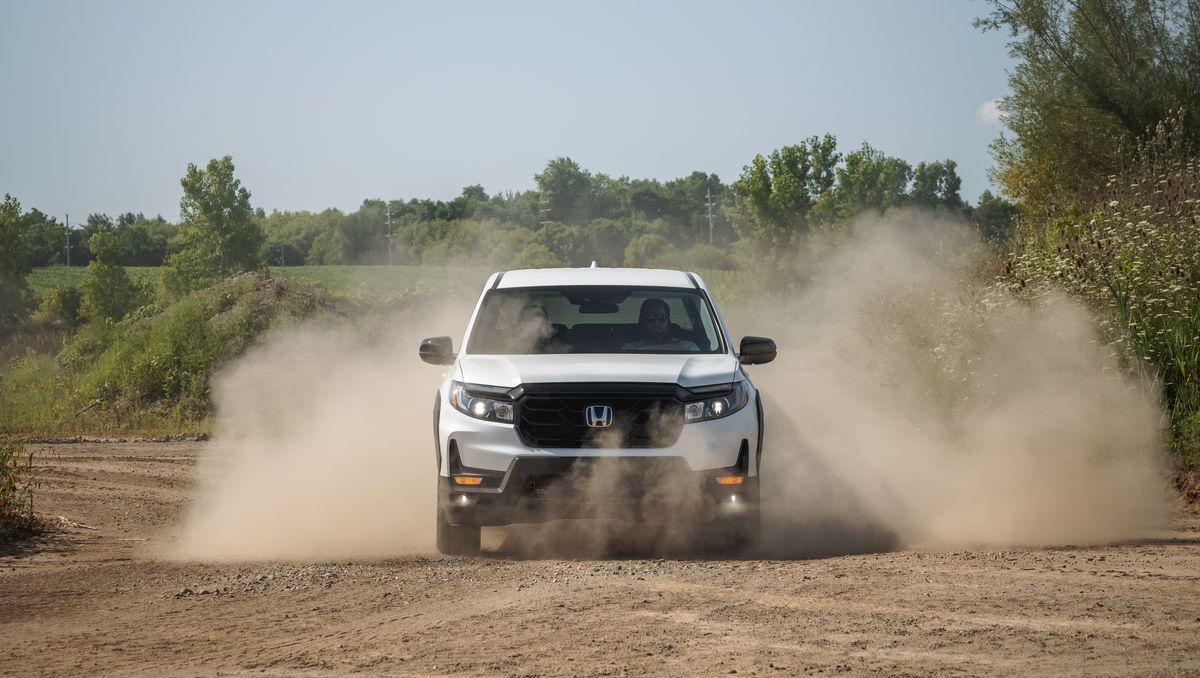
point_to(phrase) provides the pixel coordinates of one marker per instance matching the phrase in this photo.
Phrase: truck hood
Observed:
(508, 371)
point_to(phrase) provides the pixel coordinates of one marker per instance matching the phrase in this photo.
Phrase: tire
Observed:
(456, 540)
(738, 535)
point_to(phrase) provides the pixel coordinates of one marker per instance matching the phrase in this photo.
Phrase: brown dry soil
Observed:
(87, 597)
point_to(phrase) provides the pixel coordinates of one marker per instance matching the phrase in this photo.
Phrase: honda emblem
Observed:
(598, 416)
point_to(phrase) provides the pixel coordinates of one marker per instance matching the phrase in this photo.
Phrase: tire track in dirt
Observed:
(90, 601)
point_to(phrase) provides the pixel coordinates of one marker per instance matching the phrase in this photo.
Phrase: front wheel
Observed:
(456, 540)
(737, 535)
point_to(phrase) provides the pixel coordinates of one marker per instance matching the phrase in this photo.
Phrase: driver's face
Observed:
(656, 324)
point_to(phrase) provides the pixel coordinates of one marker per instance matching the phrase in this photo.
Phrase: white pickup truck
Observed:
(593, 393)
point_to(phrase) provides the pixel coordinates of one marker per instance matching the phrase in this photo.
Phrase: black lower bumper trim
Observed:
(537, 489)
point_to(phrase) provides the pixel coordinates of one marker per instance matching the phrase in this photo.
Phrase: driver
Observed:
(654, 320)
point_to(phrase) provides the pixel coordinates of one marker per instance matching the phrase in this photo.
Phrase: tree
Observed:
(144, 241)
(566, 192)
(569, 244)
(1093, 77)
(108, 292)
(775, 197)
(994, 216)
(688, 207)
(219, 233)
(936, 185)
(870, 180)
(16, 301)
(45, 239)
(753, 215)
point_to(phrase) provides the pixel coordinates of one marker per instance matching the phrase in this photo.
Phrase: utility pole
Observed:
(708, 201)
(68, 241)
(391, 239)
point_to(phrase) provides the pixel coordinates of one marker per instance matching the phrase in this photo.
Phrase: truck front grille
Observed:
(644, 415)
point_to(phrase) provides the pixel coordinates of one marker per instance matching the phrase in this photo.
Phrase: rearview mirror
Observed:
(756, 351)
(437, 351)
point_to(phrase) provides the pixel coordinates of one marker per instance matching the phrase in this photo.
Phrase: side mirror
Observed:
(756, 351)
(437, 351)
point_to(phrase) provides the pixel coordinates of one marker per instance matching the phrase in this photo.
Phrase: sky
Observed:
(104, 104)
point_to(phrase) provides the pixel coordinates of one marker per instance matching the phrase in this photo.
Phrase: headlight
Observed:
(488, 409)
(715, 408)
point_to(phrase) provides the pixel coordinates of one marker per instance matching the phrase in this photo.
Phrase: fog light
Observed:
(463, 500)
(468, 480)
(733, 499)
(731, 480)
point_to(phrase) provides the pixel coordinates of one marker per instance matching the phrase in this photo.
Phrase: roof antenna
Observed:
(594, 265)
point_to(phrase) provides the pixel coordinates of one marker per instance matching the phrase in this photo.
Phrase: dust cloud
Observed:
(323, 446)
(915, 401)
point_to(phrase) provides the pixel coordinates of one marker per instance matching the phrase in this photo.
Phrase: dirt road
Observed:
(91, 597)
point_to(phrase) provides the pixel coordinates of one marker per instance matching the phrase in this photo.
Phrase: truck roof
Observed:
(548, 277)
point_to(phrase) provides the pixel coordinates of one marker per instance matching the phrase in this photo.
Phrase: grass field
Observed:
(373, 283)
(387, 283)
(50, 277)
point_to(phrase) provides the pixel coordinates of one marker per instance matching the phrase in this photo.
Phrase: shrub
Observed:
(109, 292)
(167, 359)
(646, 248)
(62, 305)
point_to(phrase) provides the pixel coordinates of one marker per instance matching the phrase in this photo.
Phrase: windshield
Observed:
(595, 319)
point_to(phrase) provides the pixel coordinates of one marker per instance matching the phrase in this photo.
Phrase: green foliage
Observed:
(167, 359)
(537, 255)
(646, 248)
(1093, 76)
(1134, 257)
(34, 395)
(782, 197)
(870, 180)
(569, 244)
(697, 257)
(63, 305)
(219, 234)
(936, 186)
(566, 192)
(16, 490)
(45, 239)
(16, 301)
(775, 196)
(53, 277)
(994, 217)
(108, 291)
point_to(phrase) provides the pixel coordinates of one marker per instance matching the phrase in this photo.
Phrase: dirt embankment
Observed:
(93, 596)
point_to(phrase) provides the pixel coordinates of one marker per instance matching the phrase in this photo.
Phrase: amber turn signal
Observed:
(468, 480)
(731, 480)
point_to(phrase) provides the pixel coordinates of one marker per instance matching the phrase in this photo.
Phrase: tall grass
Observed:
(1135, 258)
(16, 490)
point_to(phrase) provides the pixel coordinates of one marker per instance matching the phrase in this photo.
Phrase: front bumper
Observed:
(522, 484)
(539, 488)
